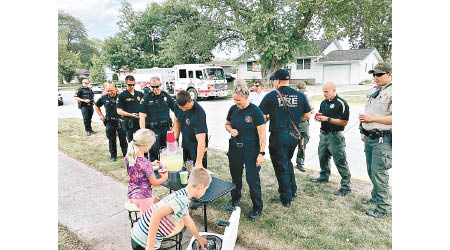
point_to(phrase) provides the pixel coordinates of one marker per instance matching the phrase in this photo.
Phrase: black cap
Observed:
(281, 74)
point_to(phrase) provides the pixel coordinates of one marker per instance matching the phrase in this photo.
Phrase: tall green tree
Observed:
(77, 38)
(275, 30)
(68, 61)
(97, 71)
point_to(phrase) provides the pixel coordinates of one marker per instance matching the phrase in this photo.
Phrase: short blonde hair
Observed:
(199, 177)
(241, 90)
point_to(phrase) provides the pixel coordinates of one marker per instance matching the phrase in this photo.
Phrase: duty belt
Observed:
(374, 133)
(328, 132)
(161, 124)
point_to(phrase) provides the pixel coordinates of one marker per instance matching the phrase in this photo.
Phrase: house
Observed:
(332, 64)
(121, 74)
(226, 65)
(79, 76)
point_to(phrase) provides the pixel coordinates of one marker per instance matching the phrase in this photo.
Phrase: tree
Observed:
(117, 53)
(97, 72)
(275, 30)
(77, 38)
(68, 61)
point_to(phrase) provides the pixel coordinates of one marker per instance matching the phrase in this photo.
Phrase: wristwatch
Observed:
(329, 119)
(262, 153)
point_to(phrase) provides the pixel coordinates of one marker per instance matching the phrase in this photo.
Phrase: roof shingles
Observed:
(346, 55)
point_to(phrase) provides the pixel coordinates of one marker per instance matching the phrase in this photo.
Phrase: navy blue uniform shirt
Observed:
(246, 121)
(192, 123)
(110, 106)
(128, 102)
(336, 108)
(157, 106)
(85, 93)
(272, 105)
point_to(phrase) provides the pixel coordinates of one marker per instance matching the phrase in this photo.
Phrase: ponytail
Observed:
(132, 152)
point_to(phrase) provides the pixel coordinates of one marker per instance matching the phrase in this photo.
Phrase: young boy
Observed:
(160, 219)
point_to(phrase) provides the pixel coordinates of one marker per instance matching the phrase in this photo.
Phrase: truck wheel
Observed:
(193, 93)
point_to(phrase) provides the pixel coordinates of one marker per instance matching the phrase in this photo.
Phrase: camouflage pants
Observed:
(379, 161)
(333, 144)
(304, 131)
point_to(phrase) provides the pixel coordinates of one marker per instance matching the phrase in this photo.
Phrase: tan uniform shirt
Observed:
(379, 106)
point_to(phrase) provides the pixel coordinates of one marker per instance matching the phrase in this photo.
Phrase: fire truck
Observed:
(200, 80)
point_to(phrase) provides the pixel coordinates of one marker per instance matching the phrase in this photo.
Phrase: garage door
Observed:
(339, 74)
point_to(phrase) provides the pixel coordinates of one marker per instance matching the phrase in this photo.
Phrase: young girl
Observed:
(140, 170)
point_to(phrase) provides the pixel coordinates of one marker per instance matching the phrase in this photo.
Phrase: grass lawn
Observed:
(68, 240)
(352, 97)
(73, 86)
(317, 219)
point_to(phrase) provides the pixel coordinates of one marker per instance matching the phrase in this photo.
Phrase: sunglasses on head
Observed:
(155, 87)
(378, 74)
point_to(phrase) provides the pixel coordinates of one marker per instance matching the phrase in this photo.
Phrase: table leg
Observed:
(204, 217)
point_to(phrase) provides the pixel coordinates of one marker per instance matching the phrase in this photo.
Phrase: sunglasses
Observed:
(130, 85)
(256, 85)
(155, 87)
(378, 74)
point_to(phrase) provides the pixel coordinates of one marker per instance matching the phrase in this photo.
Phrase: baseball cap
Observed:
(281, 74)
(381, 68)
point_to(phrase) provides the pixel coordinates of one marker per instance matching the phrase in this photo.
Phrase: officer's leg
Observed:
(340, 159)
(382, 162)
(122, 140)
(236, 164)
(85, 114)
(324, 157)
(274, 157)
(111, 135)
(368, 145)
(89, 118)
(154, 150)
(253, 179)
(280, 152)
(304, 131)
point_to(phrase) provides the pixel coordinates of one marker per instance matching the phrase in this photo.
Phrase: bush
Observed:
(365, 82)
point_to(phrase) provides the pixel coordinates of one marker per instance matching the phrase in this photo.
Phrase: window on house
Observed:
(191, 74)
(182, 73)
(303, 64)
(249, 66)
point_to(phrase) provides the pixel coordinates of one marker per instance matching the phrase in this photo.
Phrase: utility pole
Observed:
(153, 43)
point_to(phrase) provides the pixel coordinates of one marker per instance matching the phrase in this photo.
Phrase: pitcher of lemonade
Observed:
(172, 161)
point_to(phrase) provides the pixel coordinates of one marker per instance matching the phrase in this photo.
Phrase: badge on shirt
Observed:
(332, 106)
(248, 119)
(129, 99)
(188, 122)
(165, 99)
(139, 98)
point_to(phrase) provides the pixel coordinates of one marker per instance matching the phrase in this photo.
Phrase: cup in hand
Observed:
(317, 115)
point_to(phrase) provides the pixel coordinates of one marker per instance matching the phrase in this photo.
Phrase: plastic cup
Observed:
(170, 137)
(318, 114)
(162, 170)
(183, 177)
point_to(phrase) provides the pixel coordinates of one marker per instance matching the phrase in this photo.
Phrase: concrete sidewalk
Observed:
(91, 205)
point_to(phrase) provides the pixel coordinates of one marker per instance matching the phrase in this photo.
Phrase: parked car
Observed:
(60, 99)
(96, 88)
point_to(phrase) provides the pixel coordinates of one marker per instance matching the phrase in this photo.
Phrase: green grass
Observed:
(352, 97)
(317, 219)
(73, 86)
(69, 241)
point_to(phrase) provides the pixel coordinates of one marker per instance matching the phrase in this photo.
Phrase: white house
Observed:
(333, 64)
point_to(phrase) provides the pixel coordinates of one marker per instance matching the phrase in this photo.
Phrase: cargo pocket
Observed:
(387, 159)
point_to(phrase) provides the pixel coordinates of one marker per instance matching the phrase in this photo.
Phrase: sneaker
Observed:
(253, 215)
(113, 158)
(375, 213)
(342, 192)
(93, 132)
(286, 205)
(88, 133)
(301, 168)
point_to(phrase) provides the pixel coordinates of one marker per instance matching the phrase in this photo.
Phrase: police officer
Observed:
(128, 107)
(245, 122)
(85, 98)
(154, 115)
(281, 143)
(190, 119)
(304, 130)
(376, 133)
(334, 118)
(111, 121)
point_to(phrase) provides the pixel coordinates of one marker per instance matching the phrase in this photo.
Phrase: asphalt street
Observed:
(217, 109)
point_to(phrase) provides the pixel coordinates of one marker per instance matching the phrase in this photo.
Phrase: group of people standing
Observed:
(288, 111)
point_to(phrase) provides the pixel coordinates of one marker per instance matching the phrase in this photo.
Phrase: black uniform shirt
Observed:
(245, 122)
(336, 108)
(272, 105)
(85, 93)
(128, 102)
(110, 106)
(192, 123)
(157, 106)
